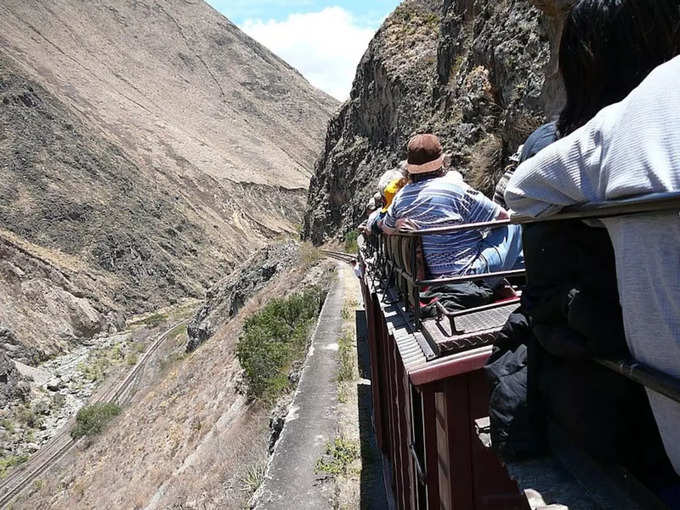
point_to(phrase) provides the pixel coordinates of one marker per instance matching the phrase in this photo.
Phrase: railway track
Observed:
(339, 255)
(57, 447)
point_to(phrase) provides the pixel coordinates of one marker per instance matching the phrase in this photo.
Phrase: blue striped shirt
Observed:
(441, 202)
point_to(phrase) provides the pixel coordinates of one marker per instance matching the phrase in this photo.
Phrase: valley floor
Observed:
(62, 385)
(191, 438)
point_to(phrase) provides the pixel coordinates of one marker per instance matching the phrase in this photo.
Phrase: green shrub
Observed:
(132, 359)
(340, 453)
(345, 358)
(253, 477)
(116, 354)
(95, 368)
(273, 339)
(7, 425)
(6, 463)
(151, 321)
(351, 245)
(93, 419)
(27, 416)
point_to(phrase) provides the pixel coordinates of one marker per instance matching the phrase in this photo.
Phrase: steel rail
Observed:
(30, 476)
(646, 376)
(654, 202)
(345, 257)
(43, 459)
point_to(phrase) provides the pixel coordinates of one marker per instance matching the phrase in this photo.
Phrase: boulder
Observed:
(12, 385)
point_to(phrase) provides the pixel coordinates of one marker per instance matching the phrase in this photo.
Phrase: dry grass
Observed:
(309, 254)
(486, 164)
(342, 460)
(349, 307)
(346, 357)
(51, 255)
(253, 478)
(339, 457)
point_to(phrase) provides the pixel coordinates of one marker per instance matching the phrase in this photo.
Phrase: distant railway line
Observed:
(339, 255)
(57, 447)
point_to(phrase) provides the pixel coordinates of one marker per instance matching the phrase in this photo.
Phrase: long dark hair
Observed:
(608, 47)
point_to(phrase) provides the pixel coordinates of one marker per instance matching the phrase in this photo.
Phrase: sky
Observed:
(322, 39)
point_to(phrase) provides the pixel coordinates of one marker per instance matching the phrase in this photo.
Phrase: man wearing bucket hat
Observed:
(431, 201)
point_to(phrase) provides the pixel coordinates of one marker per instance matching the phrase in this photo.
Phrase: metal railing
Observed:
(639, 373)
(416, 266)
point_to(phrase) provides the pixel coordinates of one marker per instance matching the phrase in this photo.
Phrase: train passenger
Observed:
(629, 148)
(389, 185)
(375, 204)
(431, 200)
(358, 270)
(538, 140)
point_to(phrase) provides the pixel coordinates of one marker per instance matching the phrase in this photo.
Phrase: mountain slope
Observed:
(479, 74)
(145, 147)
(174, 81)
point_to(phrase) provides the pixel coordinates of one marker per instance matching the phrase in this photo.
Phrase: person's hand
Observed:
(406, 224)
(502, 214)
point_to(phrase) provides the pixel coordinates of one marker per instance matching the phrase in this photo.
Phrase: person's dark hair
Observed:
(426, 176)
(608, 48)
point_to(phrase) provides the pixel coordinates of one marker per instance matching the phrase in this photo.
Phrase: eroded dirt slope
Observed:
(145, 148)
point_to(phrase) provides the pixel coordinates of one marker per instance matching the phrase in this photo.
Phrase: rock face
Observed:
(479, 74)
(225, 299)
(11, 346)
(145, 147)
(12, 385)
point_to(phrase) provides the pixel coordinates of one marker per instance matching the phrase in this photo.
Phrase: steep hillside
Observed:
(191, 438)
(477, 73)
(145, 147)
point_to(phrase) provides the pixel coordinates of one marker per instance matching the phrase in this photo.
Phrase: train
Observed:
(431, 396)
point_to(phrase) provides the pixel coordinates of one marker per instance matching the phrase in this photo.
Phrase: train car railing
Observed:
(403, 255)
(652, 203)
(630, 369)
(423, 403)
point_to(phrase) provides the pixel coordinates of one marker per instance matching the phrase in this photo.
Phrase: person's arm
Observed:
(568, 172)
(388, 230)
(388, 223)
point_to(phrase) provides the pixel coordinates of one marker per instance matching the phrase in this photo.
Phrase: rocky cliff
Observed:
(227, 297)
(145, 148)
(480, 74)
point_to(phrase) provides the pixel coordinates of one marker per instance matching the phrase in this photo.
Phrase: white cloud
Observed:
(324, 46)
